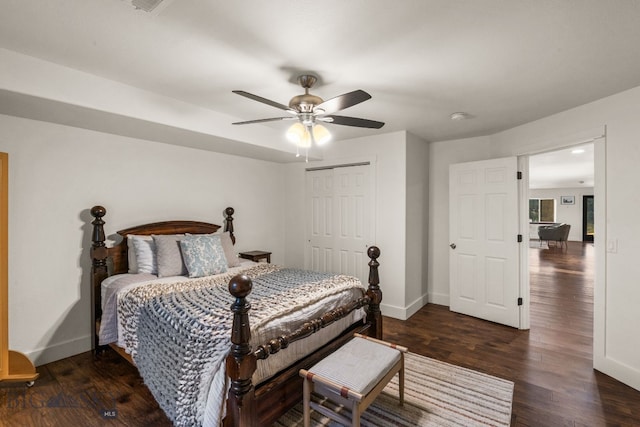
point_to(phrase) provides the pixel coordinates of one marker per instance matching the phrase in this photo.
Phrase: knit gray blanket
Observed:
(182, 330)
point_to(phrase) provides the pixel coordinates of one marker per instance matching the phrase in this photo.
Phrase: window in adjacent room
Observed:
(542, 210)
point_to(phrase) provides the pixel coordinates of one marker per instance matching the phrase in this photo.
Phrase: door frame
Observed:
(598, 137)
(4, 264)
(586, 237)
(523, 223)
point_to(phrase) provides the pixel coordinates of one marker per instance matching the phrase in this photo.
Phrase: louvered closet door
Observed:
(339, 220)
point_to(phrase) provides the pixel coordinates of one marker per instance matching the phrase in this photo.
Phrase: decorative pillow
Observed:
(229, 252)
(131, 255)
(203, 255)
(169, 255)
(144, 249)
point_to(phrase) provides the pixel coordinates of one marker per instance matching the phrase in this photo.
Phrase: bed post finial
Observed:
(228, 225)
(374, 316)
(241, 361)
(99, 272)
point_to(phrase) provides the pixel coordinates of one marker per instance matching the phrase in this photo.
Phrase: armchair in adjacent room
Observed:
(556, 234)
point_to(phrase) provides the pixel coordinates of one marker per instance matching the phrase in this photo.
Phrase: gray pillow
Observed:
(229, 251)
(169, 255)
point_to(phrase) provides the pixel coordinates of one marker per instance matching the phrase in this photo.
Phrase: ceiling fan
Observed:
(309, 110)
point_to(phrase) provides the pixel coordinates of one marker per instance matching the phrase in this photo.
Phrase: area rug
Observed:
(436, 394)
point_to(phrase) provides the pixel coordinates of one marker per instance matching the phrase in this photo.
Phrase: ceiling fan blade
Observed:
(354, 121)
(272, 119)
(263, 100)
(343, 101)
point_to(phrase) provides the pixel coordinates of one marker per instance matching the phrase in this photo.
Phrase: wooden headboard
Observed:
(118, 254)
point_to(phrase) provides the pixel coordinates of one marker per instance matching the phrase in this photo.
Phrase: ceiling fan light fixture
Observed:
(296, 133)
(321, 135)
(305, 142)
(299, 135)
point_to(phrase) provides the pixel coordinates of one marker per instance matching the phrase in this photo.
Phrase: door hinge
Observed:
(519, 175)
(520, 301)
(519, 238)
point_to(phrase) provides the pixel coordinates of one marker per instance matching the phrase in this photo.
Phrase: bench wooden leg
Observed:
(355, 414)
(401, 379)
(306, 400)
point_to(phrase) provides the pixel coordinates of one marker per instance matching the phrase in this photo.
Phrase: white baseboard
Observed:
(622, 372)
(59, 351)
(403, 313)
(440, 299)
(416, 305)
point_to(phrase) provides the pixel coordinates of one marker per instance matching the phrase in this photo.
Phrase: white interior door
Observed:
(320, 234)
(483, 232)
(340, 220)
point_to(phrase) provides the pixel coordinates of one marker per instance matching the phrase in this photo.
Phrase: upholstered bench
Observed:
(353, 376)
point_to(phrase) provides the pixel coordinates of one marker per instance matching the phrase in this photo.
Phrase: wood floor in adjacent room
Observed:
(551, 364)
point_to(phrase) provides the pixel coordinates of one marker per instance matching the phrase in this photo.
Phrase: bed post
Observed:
(98, 268)
(241, 361)
(228, 224)
(374, 316)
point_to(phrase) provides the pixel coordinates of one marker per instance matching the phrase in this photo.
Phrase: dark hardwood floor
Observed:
(551, 364)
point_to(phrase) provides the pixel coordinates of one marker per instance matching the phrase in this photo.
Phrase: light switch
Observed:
(612, 246)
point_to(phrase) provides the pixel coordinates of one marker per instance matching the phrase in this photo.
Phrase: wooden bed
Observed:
(247, 405)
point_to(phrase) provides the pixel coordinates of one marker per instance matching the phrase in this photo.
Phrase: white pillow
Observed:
(131, 255)
(144, 249)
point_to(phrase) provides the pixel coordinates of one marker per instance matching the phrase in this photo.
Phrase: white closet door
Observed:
(339, 220)
(320, 226)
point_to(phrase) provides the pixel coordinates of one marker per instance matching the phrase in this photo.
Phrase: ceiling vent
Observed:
(150, 5)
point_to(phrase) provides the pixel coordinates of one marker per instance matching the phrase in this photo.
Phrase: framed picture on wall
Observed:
(568, 200)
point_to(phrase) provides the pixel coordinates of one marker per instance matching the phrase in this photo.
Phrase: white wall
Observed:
(441, 155)
(568, 214)
(417, 224)
(617, 295)
(57, 173)
(387, 153)
(45, 91)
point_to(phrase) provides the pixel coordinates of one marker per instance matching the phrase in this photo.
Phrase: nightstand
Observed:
(256, 256)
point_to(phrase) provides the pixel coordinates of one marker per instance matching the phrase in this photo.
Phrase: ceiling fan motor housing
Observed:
(305, 103)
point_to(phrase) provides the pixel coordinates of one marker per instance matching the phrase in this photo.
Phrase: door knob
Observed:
(453, 246)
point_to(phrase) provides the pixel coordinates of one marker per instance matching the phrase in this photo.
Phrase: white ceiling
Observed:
(568, 168)
(504, 62)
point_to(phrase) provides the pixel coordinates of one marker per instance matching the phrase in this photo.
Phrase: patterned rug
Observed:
(436, 394)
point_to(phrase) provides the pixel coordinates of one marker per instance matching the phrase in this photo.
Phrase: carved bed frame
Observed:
(247, 406)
